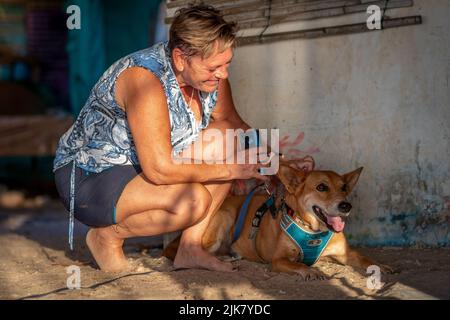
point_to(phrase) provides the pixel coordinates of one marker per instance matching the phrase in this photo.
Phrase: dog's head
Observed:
(320, 196)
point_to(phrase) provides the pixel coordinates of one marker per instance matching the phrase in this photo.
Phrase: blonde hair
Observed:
(198, 29)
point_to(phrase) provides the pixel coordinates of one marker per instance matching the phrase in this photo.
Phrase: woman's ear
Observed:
(178, 59)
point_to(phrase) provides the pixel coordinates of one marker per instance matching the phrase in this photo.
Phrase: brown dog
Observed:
(316, 209)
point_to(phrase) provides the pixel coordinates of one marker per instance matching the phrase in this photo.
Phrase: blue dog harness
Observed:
(311, 244)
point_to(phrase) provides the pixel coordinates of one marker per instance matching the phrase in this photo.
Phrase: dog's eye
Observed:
(322, 187)
(344, 188)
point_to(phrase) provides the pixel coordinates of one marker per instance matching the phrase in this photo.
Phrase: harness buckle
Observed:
(273, 211)
(256, 221)
(282, 207)
(252, 234)
(266, 188)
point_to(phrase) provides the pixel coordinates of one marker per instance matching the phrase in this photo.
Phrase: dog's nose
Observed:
(344, 207)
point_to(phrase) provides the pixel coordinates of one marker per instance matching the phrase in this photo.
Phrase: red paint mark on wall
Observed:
(291, 151)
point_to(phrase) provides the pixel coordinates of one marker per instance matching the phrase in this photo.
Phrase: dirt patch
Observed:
(35, 257)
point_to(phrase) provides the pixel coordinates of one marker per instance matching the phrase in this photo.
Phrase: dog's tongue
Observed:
(336, 222)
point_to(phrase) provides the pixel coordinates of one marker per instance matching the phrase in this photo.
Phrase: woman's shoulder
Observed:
(154, 58)
(140, 79)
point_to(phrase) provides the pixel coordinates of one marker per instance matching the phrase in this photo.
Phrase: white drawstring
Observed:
(72, 205)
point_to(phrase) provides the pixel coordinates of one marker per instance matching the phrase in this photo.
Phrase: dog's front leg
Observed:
(355, 259)
(285, 257)
(339, 250)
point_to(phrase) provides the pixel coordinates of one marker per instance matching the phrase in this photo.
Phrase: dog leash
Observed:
(259, 214)
(269, 204)
(256, 221)
(243, 213)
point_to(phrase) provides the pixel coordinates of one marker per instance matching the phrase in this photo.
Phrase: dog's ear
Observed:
(306, 164)
(291, 178)
(351, 179)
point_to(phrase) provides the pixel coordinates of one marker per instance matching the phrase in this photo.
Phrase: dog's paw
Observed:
(311, 275)
(232, 258)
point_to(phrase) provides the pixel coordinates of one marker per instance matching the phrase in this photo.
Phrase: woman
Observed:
(114, 167)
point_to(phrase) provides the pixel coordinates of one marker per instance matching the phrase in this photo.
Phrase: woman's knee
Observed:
(199, 203)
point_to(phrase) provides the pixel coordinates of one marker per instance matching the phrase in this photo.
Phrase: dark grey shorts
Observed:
(96, 194)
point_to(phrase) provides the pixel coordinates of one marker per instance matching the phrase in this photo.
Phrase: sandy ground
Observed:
(34, 258)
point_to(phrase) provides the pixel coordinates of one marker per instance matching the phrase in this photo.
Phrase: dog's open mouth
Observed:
(335, 223)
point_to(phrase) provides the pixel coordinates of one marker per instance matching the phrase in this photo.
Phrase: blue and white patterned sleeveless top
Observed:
(100, 137)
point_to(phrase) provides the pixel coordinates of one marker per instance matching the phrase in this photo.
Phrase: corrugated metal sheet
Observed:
(261, 14)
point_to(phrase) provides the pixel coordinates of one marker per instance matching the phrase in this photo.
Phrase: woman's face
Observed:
(205, 74)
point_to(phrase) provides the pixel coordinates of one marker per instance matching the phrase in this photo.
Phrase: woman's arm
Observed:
(225, 109)
(148, 117)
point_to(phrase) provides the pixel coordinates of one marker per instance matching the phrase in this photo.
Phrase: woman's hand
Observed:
(247, 170)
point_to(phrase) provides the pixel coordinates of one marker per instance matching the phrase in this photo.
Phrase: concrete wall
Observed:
(379, 100)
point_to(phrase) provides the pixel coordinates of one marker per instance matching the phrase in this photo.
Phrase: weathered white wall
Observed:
(379, 100)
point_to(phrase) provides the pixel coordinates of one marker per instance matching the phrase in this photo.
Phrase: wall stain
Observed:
(409, 212)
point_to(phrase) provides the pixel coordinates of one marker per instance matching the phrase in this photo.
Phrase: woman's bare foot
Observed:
(197, 258)
(107, 250)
